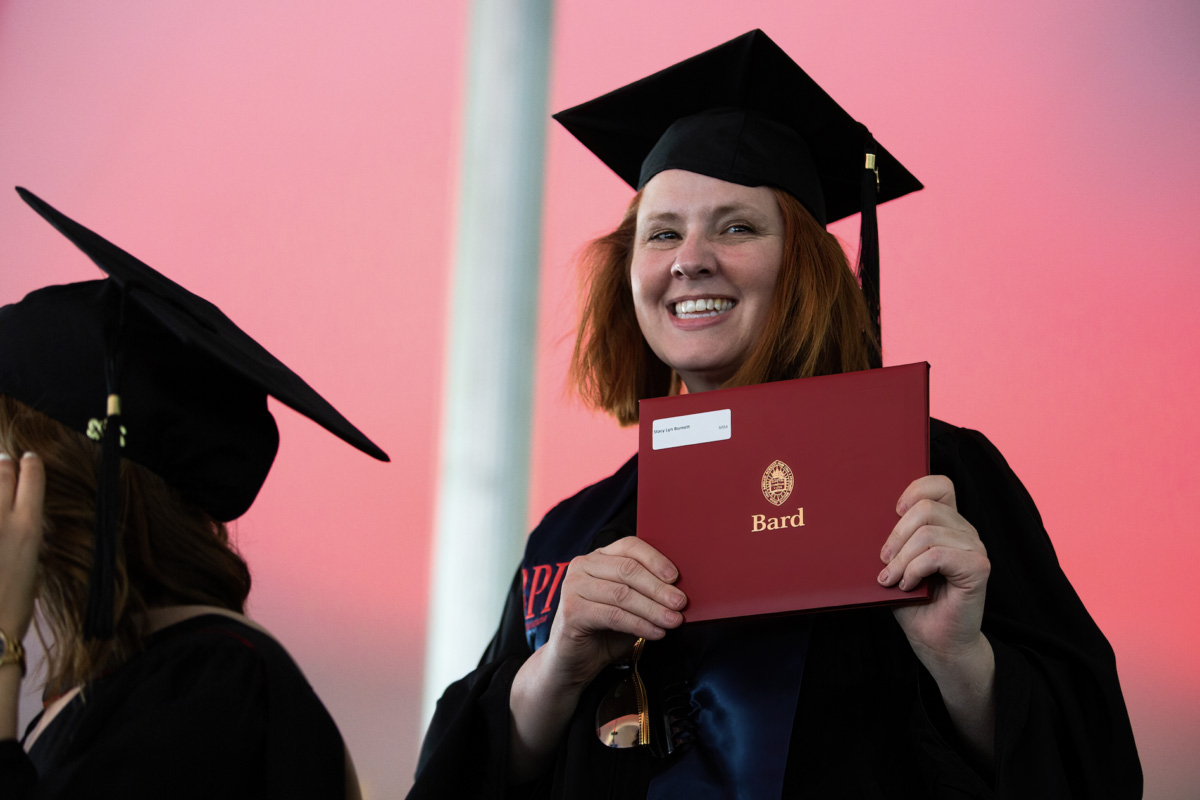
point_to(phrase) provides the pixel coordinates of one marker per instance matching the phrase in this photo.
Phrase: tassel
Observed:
(99, 615)
(98, 620)
(868, 249)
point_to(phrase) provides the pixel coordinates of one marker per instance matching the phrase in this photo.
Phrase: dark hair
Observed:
(817, 323)
(169, 552)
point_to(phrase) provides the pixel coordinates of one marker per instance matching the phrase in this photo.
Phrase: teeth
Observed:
(706, 307)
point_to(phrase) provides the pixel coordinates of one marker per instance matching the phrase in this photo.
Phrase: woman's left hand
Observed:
(931, 539)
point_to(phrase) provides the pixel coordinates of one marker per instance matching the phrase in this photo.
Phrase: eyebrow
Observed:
(718, 211)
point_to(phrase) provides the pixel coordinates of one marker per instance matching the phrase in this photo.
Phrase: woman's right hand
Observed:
(608, 598)
(21, 499)
(20, 540)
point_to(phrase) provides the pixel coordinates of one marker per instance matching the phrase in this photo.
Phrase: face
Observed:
(706, 256)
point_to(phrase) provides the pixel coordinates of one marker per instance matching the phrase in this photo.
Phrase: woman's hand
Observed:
(932, 541)
(20, 539)
(609, 597)
(21, 500)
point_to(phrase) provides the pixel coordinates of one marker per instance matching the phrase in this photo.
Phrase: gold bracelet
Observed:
(11, 652)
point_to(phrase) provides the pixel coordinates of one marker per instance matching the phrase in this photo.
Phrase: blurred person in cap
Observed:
(133, 426)
(721, 274)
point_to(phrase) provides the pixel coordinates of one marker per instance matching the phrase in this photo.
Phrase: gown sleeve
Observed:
(465, 752)
(1062, 729)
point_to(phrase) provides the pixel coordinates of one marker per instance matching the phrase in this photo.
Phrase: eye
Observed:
(662, 236)
(739, 227)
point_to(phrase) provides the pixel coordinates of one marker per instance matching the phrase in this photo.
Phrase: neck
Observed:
(166, 616)
(700, 383)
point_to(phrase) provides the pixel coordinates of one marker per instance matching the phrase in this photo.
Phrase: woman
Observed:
(157, 685)
(721, 275)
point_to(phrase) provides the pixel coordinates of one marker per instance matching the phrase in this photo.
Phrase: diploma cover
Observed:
(778, 497)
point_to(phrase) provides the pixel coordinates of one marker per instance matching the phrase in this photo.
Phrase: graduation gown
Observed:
(865, 719)
(212, 708)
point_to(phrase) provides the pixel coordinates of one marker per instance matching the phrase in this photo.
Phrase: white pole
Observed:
(484, 469)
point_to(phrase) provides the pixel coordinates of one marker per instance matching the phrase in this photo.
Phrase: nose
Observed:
(695, 258)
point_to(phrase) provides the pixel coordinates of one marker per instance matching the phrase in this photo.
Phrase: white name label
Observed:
(711, 426)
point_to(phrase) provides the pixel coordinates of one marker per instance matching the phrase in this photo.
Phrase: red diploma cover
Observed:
(778, 497)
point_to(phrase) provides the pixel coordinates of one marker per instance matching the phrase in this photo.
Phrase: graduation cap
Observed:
(158, 375)
(744, 112)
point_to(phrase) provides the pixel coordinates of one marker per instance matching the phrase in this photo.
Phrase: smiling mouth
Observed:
(704, 307)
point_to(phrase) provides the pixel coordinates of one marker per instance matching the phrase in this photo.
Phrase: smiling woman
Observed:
(814, 320)
(708, 243)
(721, 274)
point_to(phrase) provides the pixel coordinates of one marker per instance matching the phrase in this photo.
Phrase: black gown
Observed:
(212, 708)
(868, 720)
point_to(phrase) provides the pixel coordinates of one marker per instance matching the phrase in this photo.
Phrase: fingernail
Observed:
(678, 598)
(883, 576)
(902, 582)
(28, 454)
(901, 508)
(886, 555)
(5, 457)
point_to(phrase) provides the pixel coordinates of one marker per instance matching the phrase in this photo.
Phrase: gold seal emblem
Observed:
(778, 482)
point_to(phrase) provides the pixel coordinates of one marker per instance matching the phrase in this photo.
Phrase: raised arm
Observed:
(21, 497)
(609, 597)
(932, 539)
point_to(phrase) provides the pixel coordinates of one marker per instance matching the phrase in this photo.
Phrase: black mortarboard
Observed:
(745, 112)
(161, 376)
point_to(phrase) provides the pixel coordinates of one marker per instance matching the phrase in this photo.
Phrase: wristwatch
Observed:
(11, 652)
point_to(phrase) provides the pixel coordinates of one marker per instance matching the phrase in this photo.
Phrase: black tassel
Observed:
(98, 619)
(99, 615)
(868, 249)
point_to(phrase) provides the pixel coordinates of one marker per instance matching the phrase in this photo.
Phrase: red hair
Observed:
(817, 324)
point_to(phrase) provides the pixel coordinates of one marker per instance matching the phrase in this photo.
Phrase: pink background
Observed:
(296, 164)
